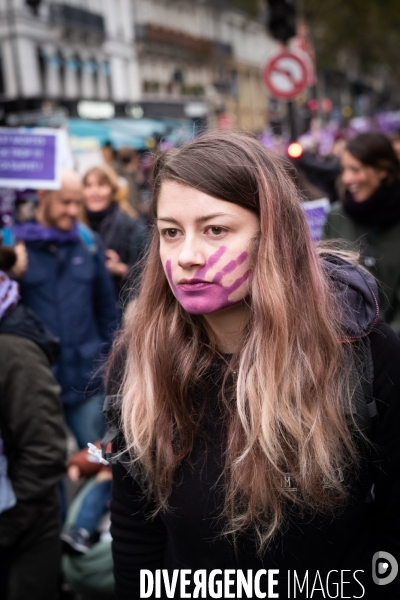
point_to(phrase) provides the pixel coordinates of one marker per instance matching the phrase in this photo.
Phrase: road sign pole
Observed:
(291, 114)
(285, 76)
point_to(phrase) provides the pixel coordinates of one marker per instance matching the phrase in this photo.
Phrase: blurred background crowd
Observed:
(116, 81)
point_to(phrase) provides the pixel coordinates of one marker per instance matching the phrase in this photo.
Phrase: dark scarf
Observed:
(33, 232)
(96, 218)
(382, 209)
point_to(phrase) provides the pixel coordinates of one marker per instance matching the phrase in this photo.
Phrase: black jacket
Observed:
(32, 427)
(187, 537)
(374, 227)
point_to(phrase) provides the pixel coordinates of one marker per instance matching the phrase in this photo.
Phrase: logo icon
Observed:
(384, 568)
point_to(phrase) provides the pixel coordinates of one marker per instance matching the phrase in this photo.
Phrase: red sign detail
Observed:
(285, 75)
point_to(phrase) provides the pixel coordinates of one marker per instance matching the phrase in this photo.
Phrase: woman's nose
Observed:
(191, 254)
(346, 177)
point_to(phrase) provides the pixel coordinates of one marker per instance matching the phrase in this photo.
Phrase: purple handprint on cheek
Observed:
(198, 295)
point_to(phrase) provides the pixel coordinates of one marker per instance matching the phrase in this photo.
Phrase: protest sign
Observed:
(29, 158)
(316, 214)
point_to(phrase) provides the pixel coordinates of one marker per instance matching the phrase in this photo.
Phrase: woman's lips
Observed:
(195, 286)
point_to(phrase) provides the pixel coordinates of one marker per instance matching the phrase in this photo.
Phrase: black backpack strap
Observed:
(112, 413)
(112, 410)
(110, 436)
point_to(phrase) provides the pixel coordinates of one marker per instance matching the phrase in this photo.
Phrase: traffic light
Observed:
(282, 19)
(34, 5)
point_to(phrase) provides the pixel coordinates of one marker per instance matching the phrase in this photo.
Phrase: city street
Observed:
(199, 299)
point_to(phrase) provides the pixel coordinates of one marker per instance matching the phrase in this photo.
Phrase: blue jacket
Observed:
(71, 291)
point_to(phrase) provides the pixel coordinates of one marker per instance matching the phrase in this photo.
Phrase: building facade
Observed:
(58, 54)
(203, 54)
(199, 59)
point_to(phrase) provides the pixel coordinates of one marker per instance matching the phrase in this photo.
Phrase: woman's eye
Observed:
(169, 233)
(216, 230)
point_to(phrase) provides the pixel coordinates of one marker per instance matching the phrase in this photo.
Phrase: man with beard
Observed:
(67, 285)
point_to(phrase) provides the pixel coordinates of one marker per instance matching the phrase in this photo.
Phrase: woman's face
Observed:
(361, 181)
(204, 247)
(97, 195)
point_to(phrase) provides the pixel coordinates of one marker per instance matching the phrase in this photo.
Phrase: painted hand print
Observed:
(200, 295)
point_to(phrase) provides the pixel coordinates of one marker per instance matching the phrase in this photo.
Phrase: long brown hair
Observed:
(287, 417)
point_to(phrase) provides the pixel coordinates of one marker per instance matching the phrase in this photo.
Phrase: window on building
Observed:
(2, 86)
(78, 73)
(95, 75)
(41, 60)
(178, 76)
(61, 66)
(233, 84)
(34, 5)
(107, 71)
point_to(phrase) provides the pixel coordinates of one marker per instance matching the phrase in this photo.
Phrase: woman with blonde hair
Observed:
(123, 235)
(255, 396)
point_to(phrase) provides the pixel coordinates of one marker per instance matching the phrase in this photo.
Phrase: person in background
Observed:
(108, 152)
(321, 172)
(369, 214)
(123, 236)
(395, 140)
(67, 285)
(78, 537)
(17, 259)
(126, 164)
(33, 433)
(25, 206)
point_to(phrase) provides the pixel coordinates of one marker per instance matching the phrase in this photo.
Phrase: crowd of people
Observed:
(64, 276)
(67, 271)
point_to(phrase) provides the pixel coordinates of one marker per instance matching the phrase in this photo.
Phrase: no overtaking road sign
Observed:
(285, 75)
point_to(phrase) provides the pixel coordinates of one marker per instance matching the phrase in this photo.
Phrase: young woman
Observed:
(240, 444)
(123, 236)
(369, 214)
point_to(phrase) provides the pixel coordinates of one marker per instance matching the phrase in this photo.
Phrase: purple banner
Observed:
(26, 156)
(316, 214)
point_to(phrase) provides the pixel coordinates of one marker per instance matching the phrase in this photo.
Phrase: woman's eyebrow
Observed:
(199, 219)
